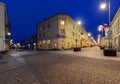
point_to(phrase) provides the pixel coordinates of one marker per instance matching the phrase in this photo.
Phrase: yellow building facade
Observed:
(60, 32)
(116, 30)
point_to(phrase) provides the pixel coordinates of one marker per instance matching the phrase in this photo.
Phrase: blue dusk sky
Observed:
(24, 14)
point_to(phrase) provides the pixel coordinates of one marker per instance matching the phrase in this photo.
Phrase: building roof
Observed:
(116, 15)
(51, 17)
(2, 3)
(61, 14)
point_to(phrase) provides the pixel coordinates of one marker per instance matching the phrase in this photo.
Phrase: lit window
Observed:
(55, 44)
(62, 22)
(44, 41)
(40, 28)
(48, 42)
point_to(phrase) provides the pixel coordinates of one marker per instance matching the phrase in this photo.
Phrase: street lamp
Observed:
(89, 36)
(8, 33)
(8, 37)
(108, 52)
(103, 5)
(78, 23)
(101, 29)
(99, 36)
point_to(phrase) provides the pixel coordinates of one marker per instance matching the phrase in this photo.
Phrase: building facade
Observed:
(4, 28)
(115, 24)
(105, 39)
(60, 32)
(29, 43)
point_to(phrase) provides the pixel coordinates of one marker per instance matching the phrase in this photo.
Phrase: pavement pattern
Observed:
(59, 67)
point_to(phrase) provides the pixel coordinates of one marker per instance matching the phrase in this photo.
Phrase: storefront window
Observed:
(48, 42)
(55, 45)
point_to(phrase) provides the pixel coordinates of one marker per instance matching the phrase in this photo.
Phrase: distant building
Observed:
(4, 28)
(29, 43)
(60, 32)
(105, 40)
(116, 30)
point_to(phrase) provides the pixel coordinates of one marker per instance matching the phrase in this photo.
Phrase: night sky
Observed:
(24, 14)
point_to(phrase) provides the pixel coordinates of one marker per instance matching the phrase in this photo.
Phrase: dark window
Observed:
(48, 25)
(73, 27)
(40, 35)
(82, 33)
(43, 34)
(43, 27)
(73, 34)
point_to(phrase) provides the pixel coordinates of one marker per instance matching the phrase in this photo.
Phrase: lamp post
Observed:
(109, 51)
(78, 23)
(8, 40)
(89, 35)
(103, 6)
(101, 29)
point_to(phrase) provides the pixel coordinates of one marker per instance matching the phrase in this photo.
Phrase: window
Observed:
(73, 34)
(40, 28)
(48, 26)
(48, 42)
(43, 27)
(82, 33)
(119, 24)
(62, 22)
(43, 34)
(40, 35)
(73, 27)
(62, 32)
(40, 44)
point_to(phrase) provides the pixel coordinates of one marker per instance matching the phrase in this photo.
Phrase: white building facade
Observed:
(116, 30)
(4, 29)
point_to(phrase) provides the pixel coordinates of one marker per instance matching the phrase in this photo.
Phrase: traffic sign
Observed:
(109, 32)
(109, 36)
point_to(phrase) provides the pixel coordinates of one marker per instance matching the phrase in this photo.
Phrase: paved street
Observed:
(59, 67)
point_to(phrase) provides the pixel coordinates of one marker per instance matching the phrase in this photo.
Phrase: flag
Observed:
(105, 25)
(101, 27)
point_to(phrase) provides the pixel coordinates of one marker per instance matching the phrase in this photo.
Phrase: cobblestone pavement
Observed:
(59, 67)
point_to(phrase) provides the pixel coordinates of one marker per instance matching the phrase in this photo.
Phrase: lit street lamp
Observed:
(99, 36)
(101, 29)
(77, 49)
(110, 51)
(79, 22)
(8, 40)
(8, 33)
(89, 36)
(103, 6)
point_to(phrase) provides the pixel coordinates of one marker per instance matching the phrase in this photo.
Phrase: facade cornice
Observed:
(116, 16)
